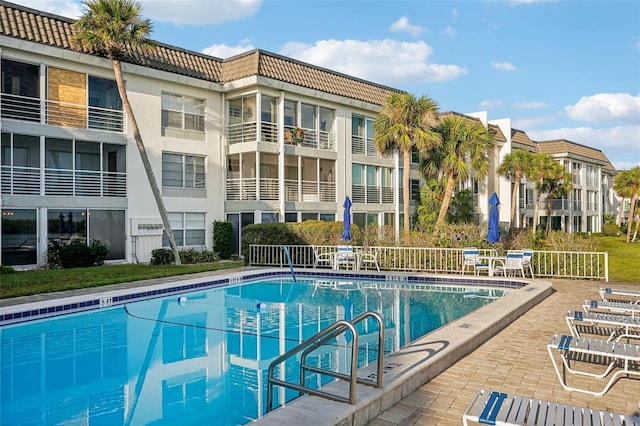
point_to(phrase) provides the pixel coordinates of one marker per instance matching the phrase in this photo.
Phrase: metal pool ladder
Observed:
(318, 340)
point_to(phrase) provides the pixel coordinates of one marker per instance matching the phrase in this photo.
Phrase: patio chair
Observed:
(619, 294)
(512, 264)
(471, 259)
(345, 256)
(622, 357)
(499, 408)
(527, 260)
(601, 323)
(626, 308)
(322, 258)
(369, 257)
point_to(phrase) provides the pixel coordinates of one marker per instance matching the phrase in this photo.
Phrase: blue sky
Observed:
(558, 69)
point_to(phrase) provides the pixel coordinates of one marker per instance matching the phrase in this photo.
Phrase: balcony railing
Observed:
(62, 114)
(372, 194)
(26, 181)
(248, 132)
(307, 191)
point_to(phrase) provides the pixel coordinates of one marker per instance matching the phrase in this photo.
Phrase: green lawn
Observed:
(624, 259)
(46, 281)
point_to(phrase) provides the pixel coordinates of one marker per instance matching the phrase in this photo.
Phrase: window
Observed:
(182, 171)
(20, 90)
(362, 136)
(188, 229)
(414, 189)
(103, 99)
(182, 112)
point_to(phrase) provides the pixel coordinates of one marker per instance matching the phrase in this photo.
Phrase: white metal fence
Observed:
(546, 264)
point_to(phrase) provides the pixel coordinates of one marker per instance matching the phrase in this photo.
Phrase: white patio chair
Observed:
(345, 256)
(511, 265)
(322, 258)
(471, 260)
(527, 260)
(369, 257)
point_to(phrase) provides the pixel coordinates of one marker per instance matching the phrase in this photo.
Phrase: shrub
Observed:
(192, 256)
(76, 254)
(611, 230)
(162, 256)
(223, 238)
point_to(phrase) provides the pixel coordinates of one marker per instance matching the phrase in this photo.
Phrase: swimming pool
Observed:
(203, 355)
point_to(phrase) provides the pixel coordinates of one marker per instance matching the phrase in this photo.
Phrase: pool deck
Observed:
(515, 361)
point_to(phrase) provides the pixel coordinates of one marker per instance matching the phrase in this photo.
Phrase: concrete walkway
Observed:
(515, 361)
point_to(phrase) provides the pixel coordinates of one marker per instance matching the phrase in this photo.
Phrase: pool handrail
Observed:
(319, 339)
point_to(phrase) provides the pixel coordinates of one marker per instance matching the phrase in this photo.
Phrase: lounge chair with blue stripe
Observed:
(626, 308)
(619, 359)
(499, 408)
(619, 294)
(601, 323)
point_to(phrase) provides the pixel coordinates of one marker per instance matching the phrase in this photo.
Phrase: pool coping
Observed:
(404, 372)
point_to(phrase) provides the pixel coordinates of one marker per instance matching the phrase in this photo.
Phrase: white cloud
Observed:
(449, 31)
(223, 51)
(68, 8)
(490, 104)
(529, 105)
(403, 25)
(621, 144)
(606, 107)
(454, 14)
(386, 61)
(503, 66)
(635, 43)
(525, 123)
(199, 12)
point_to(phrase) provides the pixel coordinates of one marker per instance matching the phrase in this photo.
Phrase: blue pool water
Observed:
(202, 358)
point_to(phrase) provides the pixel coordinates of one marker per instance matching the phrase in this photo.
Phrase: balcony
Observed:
(27, 181)
(372, 194)
(61, 114)
(248, 132)
(306, 191)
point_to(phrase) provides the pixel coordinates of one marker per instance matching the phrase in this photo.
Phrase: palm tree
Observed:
(557, 184)
(627, 184)
(464, 151)
(112, 28)
(541, 166)
(514, 166)
(405, 122)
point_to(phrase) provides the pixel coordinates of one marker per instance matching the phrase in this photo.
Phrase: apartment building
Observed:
(254, 138)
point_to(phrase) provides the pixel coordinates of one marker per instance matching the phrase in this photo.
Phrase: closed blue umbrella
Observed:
(61, 224)
(346, 234)
(493, 235)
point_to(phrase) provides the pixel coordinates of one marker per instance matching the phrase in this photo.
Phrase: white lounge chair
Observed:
(619, 294)
(499, 408)
(617, 326)
(632, 308)
(512, 264)
(471, 260)
(622, 357)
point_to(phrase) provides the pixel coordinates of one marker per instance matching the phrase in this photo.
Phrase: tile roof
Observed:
(39, 27)
(572, 149)
(519, 137)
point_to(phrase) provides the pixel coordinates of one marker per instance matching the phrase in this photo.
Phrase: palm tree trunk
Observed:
(451, 181)
(632, 210)
(549, 203)
(535, 215)
(619, 221)
(514, 200)
(406, 197)
(635, 231)
(117, 69)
